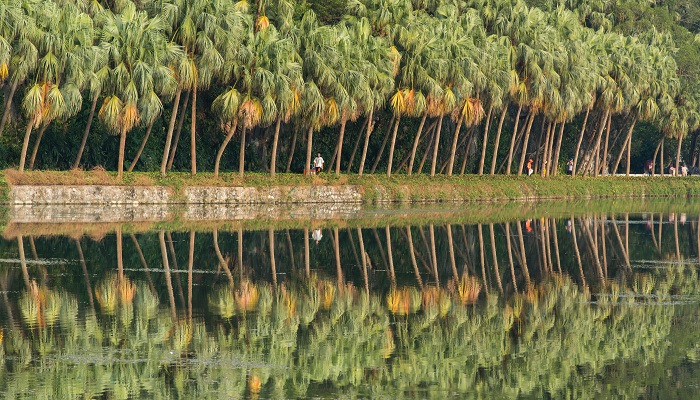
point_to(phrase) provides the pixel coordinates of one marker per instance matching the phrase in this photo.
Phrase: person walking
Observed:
(318, 163)
(529, 167)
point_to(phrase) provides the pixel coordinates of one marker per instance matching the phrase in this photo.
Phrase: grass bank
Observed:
(379, 188)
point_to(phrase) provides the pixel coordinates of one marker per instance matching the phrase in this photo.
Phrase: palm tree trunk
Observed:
(415, 143)
(8, 106)
(309, 148)
(453, 150)
(431, 142)
(486, 140)
(180, 122)
(653, 162)
(356, 146)
(550, 151)
(169, 135)
(580, 139)
(383, 146)
(512, 139)
(525, 143)
(661, 158)
(543, 168)
(122, 149)
(241, 154)
(219, 153)
(142, 146)
(370, 125)
(193, 133)
(629, 147)
(625, 146)
(605, 148)
(393, 146)
(469, 140)
(436, 147)
(35, 149)
(25, 144)
(340, 144)
(85, 133)
(292, 148)
(498, 139)
(275, 140)
(596, 148)
(678, 153)
(557, 152)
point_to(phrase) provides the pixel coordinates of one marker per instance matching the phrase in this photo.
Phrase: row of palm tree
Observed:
(479, 63)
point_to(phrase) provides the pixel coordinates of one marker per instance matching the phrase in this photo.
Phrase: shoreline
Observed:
(100, 188)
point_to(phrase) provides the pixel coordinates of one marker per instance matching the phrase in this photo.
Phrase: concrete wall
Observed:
(139, 195)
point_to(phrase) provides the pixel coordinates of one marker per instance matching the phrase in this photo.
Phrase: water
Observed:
(550, 300)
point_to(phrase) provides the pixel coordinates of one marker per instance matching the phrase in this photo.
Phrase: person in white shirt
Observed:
(318, 163)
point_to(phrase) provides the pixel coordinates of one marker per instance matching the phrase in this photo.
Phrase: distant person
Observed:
(529, 167)
(317, 235)
(672, 170)
(570, 167)
(684, 170)
(649, 167)
(318, 163)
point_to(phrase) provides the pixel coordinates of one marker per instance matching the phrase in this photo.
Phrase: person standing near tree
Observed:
(570, 167)
(529, 167)
(318, 163)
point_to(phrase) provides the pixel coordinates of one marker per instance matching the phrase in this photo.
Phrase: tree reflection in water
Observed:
(275, 332)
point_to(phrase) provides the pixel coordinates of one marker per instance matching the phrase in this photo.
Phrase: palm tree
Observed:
(139, 57)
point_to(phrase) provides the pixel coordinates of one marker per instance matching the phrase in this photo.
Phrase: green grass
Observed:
(375, 188)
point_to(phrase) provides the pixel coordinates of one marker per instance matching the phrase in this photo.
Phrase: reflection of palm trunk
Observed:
(23, 261)
(450, 244)
(653, 235)
(291, 250)
(627, 234)
(177, 277)
(675, 237)
(88, 287)
(190, 266)
(412, 252)
(510, 258)
(578, 254)
(363, 256)
(222, 261)
(166, 269)
(381, 248)
(433, 254)
(495, 259)
(240, 252)
(622, 246)
(661, 224)
(605, 251)
(307, 262)
(522, 254)
(556, 244)
(6, 300)
(120, 259)
(391, 256)
(338, 267)
(482, 259)
(143, 263)
(273, 264)
(594, 249)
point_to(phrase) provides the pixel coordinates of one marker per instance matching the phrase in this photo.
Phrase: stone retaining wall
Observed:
(139, 195)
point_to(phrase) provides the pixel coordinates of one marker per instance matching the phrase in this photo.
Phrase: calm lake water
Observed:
(565, 304)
